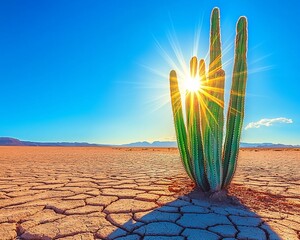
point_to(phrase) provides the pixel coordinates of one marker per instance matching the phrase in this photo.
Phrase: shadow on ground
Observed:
(193, 216)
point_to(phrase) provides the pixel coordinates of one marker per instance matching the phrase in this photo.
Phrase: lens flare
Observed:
(203, 84)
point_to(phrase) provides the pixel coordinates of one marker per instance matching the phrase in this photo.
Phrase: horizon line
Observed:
(120, 144)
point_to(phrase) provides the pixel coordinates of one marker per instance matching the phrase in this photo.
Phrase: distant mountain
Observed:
(7, 141)
(154, 144)
(174, 144)
(267, 145)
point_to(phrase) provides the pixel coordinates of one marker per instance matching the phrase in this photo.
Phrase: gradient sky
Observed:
(83, 70)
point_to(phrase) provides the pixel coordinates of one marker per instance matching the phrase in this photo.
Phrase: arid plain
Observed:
(123, 193)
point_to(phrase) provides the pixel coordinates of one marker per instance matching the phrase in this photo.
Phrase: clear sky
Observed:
(87, 70)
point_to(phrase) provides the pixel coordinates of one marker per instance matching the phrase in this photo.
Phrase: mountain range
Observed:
(242, 145)
(8, 141)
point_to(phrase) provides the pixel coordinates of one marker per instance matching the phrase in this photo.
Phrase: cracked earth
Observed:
(104, 193)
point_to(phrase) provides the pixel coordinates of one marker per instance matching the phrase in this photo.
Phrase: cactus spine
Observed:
(200, 140)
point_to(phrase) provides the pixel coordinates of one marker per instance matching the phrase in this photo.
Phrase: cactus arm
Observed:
(213, 132)
(197, 148)
(179, 124)
(235, 113)
(215, 53)
(190, 113)
(202, 72)
(203, 98)
(188, 97)
(194, 133)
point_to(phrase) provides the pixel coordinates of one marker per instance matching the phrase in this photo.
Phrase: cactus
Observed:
(200, 141)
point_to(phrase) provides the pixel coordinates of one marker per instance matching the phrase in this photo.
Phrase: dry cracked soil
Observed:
(108, 193)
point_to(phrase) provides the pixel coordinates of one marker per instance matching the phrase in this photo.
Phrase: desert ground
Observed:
(124, 193)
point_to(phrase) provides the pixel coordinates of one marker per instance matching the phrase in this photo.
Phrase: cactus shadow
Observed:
(195, 216)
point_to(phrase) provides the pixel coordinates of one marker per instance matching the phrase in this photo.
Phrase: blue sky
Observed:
(83, 70)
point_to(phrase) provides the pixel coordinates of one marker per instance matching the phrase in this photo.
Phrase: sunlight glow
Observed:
(192, 84)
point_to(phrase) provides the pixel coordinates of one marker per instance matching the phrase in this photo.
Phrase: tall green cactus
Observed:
(200, 141)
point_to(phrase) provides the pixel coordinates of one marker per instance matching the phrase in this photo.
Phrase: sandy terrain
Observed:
(103, 193)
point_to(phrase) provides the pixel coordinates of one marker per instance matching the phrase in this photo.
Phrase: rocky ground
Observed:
(103, 193)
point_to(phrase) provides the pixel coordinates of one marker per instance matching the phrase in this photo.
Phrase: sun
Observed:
(192, 84)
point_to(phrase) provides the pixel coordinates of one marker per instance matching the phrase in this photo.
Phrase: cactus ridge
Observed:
(200, 138)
